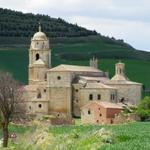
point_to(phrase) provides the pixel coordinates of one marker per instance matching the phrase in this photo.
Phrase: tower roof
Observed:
(120, 63)
(39, 35)
(119, 77)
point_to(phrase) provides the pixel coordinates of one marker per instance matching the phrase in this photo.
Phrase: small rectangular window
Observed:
(90, 97)
(112, 96)
(98, 96)
(89, 111)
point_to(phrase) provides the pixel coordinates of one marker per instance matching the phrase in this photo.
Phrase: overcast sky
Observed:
(122, 19)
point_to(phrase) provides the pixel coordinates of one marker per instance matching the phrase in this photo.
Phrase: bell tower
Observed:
(39, 57)
(120, 68)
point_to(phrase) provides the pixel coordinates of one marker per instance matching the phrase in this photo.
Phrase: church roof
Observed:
(101, 79)
(74, 68)
(39, 36)
(97, 86)
(123, 82)
(119, 77)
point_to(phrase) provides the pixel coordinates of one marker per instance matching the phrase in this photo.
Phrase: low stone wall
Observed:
(122, 118)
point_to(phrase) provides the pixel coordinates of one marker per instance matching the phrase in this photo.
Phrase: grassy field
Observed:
(130, 136)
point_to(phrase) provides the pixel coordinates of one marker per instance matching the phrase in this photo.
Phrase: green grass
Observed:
(16, 62)
(129, 136)
(18, 129)
(132, 136)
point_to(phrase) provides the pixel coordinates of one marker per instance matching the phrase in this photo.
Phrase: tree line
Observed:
(14, 23)
(18, 24)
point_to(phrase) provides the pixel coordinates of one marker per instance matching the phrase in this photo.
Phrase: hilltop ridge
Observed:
(24, 25)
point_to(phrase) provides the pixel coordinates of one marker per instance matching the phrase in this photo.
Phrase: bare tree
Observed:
(10, 102)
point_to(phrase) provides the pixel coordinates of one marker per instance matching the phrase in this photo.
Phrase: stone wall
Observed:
(62, 121)
(81, 97)
(59, 79)
(88, 118)
(36, 100)
(59, 100)
(131, 93)
(123, 118)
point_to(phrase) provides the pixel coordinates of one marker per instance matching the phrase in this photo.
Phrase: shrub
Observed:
(144, 109)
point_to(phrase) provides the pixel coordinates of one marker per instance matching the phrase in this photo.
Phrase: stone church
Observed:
(64, 89)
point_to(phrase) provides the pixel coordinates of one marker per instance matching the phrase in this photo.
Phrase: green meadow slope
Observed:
(15, 60)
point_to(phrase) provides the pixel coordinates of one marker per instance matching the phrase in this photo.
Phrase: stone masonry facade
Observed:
(64, 89)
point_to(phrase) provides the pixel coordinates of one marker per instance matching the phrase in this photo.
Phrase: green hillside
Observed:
(18, 27)
(16, 62)
(17, 24)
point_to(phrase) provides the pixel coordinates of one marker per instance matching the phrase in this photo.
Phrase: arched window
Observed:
(112, 96)
(120, 71)
(37, 56)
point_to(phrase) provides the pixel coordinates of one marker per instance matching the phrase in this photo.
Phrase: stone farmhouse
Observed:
(64, 89)
(100, 112)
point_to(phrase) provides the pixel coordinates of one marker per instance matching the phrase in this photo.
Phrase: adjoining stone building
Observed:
(64, 89)
(127, 91)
